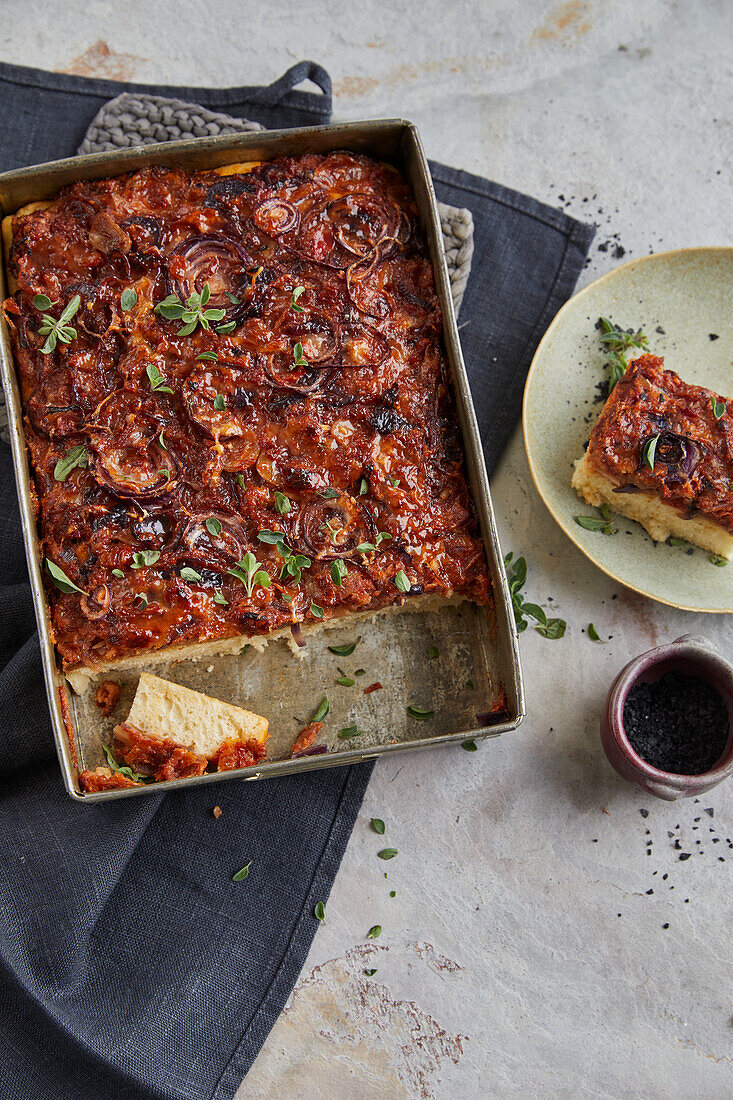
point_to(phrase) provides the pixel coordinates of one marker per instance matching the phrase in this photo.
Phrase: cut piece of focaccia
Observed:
(173, 731)
(661, 453)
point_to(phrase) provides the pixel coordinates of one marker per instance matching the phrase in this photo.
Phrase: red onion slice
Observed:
(134, 465)
(276, 216)
(331, 529)
(96, 604)
(314, 750)
(216, 550)
(361, 222)
(216, 399)
(214, 260)
(298, 635)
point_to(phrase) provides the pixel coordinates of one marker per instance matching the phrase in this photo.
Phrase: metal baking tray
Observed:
(478, 663)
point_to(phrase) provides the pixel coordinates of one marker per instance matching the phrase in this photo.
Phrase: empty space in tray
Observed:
(393, 649)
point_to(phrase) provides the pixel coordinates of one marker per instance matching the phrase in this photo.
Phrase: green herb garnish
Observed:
(189, 574)
(342, 650)
(207, 357)
(60, 330)
(250, 572)
(330, 494)
(128, 299)
(282, 503)
(344, 680)
(123, 769)
(294, 298)
(157, 381)
(363, 487)
(402, 581)
(672, 541)
(118, 573)
(374, 932)
(717, 559)
(433, 653)
(615, 342)
(316, 610)
(213, 526)
(593, 633)
(220, 402)
(142, 558)
(338, 571)
(548, 628)
(718, 408)
(293, 563)
(239, 479)
(370, 973)
(469, 746)
(162, 442)
(299, 360)
(193, 313)
(387, 853)
(60, 579)
(224, 330)
(221, 599)
(319, 911)
(378, 825)
(233, 298)
(241, 875)
(42, 301)
(649, 450)
(322, 710)
(419, 713)
(603, 523)
(367, 547)
(350, 731)
(76, 456)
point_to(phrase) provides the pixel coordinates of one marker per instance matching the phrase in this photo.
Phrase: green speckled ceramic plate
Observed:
(683, 301)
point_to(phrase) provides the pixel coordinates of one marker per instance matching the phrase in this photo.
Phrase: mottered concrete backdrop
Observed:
(525, 952)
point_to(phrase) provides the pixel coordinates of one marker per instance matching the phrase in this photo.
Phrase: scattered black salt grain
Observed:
(678, 724)
(684, 855)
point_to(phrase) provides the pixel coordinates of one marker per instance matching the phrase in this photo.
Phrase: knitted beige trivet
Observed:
(129, 120)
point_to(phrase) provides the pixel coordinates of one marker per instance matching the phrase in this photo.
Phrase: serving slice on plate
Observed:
(660, 454)
(676, 307)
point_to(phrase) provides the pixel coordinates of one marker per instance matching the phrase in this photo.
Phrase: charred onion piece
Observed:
(155, 531)
(107, 236)
(216, 399)
(318, 335)
(334, 528)
(678, 453)
(275, 216)
(361, 222)
(364, 286)
(134, 465)
(215, 260)
(214, 550)
(363, 346)
(96, 604)
(279, 371)
(54, 408)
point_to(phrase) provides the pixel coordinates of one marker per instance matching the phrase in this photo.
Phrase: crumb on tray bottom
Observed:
(80, 679)
(660, 520)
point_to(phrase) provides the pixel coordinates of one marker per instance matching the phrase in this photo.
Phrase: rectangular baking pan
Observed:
(477, 669)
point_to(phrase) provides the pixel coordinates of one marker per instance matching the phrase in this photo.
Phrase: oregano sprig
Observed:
(193, 313)
(60, 330)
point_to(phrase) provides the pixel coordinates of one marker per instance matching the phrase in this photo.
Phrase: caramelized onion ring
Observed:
(133, 466)
(206, 385)
(215, 551)
(361, 222)
(96, 604)
(334, 528)
(276, 216)
(215, 260)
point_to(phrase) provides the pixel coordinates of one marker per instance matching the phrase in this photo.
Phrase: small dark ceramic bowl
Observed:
(693, 655)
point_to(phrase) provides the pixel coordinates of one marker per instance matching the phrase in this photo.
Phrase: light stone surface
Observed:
(504, 968)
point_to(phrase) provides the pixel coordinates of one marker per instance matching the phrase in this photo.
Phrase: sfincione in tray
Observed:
(661, 453)
(237, 409)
